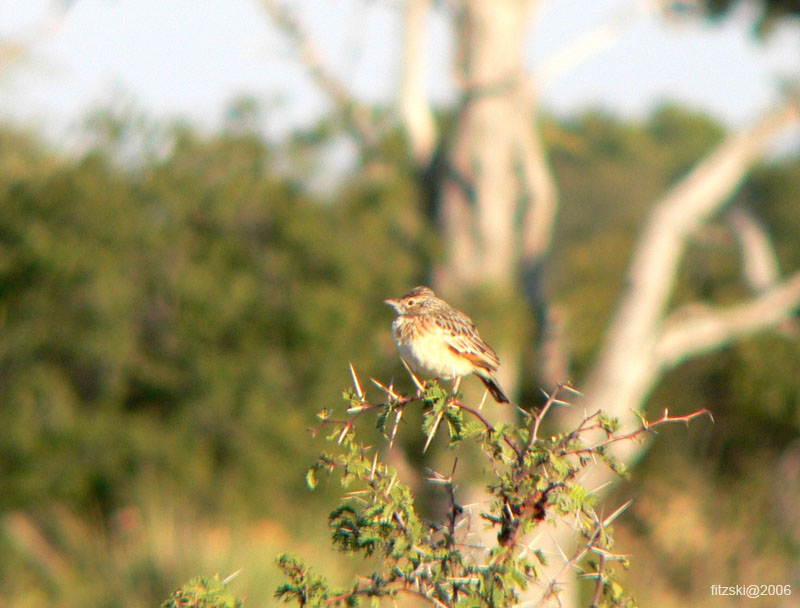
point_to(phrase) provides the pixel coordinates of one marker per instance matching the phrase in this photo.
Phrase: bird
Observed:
(438, 340)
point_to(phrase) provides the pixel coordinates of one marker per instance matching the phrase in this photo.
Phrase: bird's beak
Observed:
(393, 303)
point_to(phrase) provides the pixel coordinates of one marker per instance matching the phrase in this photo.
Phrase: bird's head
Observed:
(415, 302)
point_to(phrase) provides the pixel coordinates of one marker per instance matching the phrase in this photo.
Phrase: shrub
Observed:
(535, 481)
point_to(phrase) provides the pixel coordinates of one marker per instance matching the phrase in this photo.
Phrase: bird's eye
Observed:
(410, 302)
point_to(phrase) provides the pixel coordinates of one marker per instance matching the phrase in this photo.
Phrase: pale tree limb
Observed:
(593, 42)
(541, 198)
(415, 110)
(554, 352)
(698, 332)
(639, 345)
(16, 47)
(760, 267)
(483, 154)
(759, 262)
(541, 190)
(355, 114)
(626, 370)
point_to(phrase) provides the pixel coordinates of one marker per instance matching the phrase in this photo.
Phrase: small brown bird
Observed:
(437, 340)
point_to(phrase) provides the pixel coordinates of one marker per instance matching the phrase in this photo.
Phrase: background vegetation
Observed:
(176, 306)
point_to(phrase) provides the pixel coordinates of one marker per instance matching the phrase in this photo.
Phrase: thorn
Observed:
(608, 554)
(617, 513)
(600, 487)
(388, 389)
(433, 431)
(483, 399)
(391, 484)
(231, 576)
(374, 466)
(398, 417)
(414, 377)
(560, 550)
(356, 382)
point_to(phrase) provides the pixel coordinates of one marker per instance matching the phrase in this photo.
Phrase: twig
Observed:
(508, 440)
(538, 417)
(551, 587)
(647, 426)
(601, 579)
(354, 113)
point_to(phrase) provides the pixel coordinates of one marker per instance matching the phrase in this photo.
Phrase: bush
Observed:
(448, 562)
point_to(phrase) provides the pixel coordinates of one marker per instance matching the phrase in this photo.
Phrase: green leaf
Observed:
(202, 592)
(311, 478)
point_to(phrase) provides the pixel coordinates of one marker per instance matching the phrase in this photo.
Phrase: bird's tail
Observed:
(494, 389)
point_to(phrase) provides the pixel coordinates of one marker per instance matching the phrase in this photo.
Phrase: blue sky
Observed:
(189, 58)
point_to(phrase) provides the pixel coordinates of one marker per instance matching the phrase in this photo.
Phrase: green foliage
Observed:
(203, 593)
(165, 326)
(152, 318)
(535, 481)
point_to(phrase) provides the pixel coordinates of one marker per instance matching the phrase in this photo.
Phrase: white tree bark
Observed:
(643, 342)
(760, 268)
(759, 262)
(540, 189)
(415, 110)
(594, 41)
(628, 366)
(486, 147)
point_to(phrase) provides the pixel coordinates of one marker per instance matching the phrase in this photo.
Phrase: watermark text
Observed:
(752, 590)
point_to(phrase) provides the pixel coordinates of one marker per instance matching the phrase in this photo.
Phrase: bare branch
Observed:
(760, 266)
(552, 399)
(591, 43)
(356, 115)
(552, 587)
(694, 199)
(646, 426)
(686, 335)
(759, 262)
(18, 46)
(414, 107)
(541, 191)
(627, 366)
(601, 578)
(554, 350)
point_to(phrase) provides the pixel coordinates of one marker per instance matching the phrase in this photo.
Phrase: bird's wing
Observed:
(462, 338)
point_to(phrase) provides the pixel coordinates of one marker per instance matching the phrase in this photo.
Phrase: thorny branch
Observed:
(534, 480)
(646, 427)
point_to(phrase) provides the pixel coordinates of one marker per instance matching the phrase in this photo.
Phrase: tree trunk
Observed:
(496, 169)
